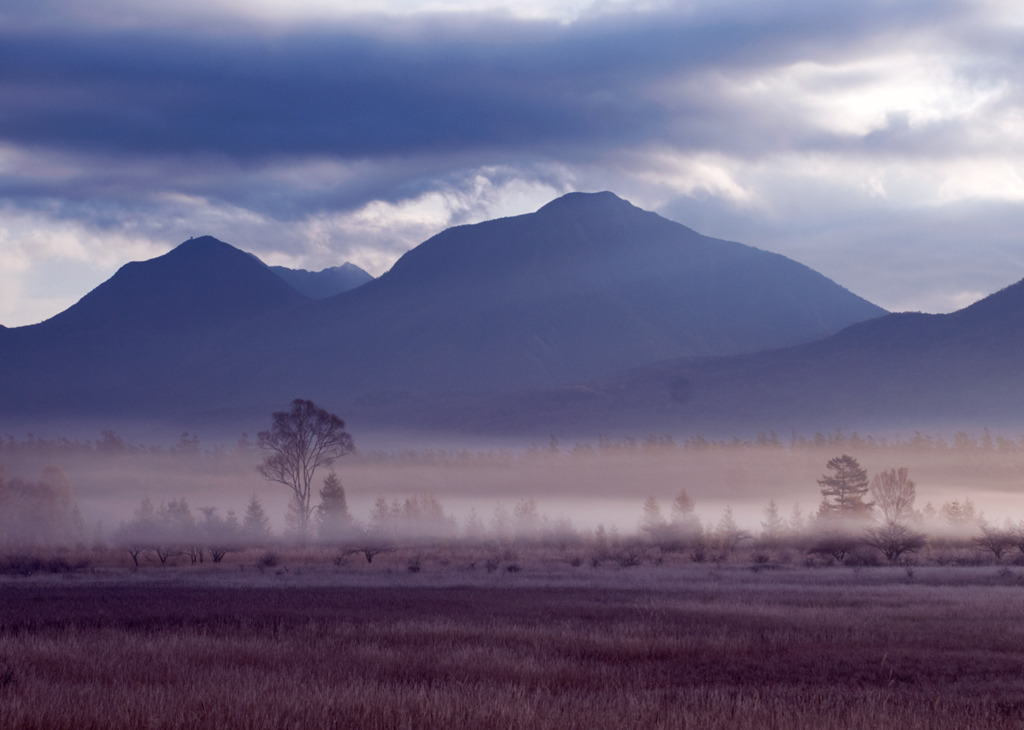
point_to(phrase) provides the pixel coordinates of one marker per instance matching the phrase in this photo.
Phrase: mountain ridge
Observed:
(587, 285)
(326, 282)
(545, 291)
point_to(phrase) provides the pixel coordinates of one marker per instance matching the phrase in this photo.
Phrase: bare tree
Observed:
(894, 495)
(1016, 535)
(370, 549)
(219, 535)
(137, 535)
(299, 442)
(834, 544)
(996, 540)
(894, 539)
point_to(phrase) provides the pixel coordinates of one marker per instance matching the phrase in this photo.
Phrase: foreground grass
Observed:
(695, 648)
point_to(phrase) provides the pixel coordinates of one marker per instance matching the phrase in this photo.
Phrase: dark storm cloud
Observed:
(337, 95)
(494, 84)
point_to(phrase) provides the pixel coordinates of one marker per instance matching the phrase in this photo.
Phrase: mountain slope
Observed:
(901, 371)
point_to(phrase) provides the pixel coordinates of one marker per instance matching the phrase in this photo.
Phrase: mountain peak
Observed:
(536, 298)
(205, 249)
(586, 201)
(202, 280)
(200, 242)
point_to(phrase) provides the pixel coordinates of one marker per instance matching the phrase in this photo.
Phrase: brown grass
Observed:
(649, 647)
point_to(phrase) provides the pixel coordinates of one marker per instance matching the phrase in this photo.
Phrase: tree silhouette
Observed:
(773, 526)
(728, 533)
(255, 523)
(894, 494)
(894, 538)
(843, 490)
(299, 442)
(332, 513)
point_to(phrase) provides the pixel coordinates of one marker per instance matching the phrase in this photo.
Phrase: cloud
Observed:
(308, 132)
(46, 264)
(493, 85)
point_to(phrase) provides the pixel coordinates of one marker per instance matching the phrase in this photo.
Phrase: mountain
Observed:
(324, 283)
(154, 326)
(200, 284)
(902, 371)
(585, 286)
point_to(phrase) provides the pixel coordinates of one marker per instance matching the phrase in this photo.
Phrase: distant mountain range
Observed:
(324, 283)
(588, 316)
(898, 373)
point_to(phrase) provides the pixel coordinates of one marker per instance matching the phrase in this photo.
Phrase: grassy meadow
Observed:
(311, 644)
(551, 588)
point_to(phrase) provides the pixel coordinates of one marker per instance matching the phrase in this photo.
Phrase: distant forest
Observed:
(110, 443)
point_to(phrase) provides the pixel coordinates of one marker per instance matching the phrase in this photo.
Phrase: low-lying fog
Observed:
(584, 485)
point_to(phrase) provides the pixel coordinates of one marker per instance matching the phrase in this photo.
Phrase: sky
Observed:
(880, 142)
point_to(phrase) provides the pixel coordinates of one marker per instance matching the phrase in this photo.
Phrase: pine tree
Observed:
(684, 522)
(332, 512)
(728, 533)
(474, 529)
(843, 490)
(526, 519)
(255, 524)
(773, 526)
(653, 523)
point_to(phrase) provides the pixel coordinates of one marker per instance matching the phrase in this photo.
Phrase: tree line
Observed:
(846, 526)
(110, 443)
(306, 439)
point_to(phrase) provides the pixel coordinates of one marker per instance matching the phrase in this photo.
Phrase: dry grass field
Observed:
(547, 646)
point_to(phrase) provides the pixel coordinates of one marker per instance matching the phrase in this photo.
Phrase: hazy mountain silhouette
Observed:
(147, 336)
(587, 285)
(324, 283)
(200, 284)
(901, 371)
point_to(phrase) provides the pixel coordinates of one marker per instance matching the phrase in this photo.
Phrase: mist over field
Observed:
(577, 487)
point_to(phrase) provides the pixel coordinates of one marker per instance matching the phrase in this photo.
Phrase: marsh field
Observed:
(311, 644)
(537, 591)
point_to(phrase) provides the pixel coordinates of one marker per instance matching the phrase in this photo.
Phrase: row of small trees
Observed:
(845, 521)
(307, 437)
(172, 529)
